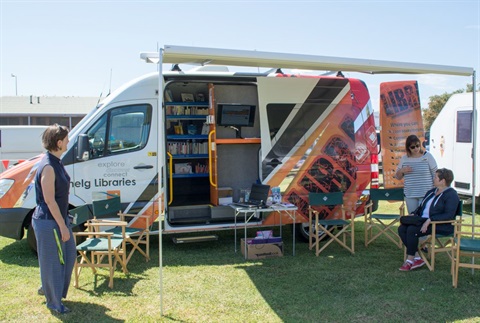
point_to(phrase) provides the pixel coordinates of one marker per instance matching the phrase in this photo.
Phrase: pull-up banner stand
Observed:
(400, 117)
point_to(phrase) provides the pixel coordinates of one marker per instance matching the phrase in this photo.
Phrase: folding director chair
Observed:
(323, 201)
(466, 244)
(136, 236)
(437, 242)
(383, 223)
(98, 246)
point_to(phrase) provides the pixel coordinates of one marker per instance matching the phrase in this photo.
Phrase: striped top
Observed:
(420, 181)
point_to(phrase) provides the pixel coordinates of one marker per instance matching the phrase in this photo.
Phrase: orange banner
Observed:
(400, 117)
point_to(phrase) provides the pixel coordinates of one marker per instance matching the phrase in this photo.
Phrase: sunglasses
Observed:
(415, 146)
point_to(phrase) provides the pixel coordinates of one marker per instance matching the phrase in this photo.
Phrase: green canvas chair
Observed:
(335, 229)
(437, 242)
(466, 245)
(109, 210)
(80, 214)
(100, 250)
(383, 224)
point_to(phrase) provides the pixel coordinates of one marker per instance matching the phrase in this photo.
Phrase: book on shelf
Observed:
(187, 148)
(187, 97)
(179, 110)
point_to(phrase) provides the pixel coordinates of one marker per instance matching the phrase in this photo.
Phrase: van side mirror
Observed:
(83, 147)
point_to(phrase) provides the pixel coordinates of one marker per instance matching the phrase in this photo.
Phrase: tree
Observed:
(437, 102)
(435, 105)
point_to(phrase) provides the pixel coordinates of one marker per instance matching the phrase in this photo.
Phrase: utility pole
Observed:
(16, 88)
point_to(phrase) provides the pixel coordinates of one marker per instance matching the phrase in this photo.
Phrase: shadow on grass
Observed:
(338, 286)
(18, 253)
(81, 312)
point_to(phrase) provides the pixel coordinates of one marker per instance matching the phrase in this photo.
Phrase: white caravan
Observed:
(451, 137)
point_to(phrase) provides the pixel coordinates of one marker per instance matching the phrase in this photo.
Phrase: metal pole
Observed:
(474, 153)
(475, 143)
(16, 87)
(161, 171)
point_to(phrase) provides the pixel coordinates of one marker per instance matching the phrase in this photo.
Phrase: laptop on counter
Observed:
(258, 196)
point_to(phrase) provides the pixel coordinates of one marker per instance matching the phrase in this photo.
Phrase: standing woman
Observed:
(55, 242)
(417, 168)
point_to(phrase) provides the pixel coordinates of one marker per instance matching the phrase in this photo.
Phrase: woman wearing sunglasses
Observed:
(417, 168)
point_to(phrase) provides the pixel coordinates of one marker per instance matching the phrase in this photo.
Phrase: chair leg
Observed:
(77, 273)
(112, 269)
(352, 225)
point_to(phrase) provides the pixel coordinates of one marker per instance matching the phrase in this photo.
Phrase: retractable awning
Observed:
(232, 57)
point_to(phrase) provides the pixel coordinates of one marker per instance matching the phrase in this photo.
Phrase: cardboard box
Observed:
(263, 250)
(225, 195)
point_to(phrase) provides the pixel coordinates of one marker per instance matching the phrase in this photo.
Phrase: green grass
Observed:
(209, 282)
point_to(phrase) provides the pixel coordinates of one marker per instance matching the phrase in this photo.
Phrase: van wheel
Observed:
(31, 239)
(302, 232)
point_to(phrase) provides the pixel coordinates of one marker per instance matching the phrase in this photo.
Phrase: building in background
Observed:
(44, 110)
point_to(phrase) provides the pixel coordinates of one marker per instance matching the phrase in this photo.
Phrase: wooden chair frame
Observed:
(436, 242)
(466, 243)
(328, 226)
(383, 222)
(98, 246)
(134, 236)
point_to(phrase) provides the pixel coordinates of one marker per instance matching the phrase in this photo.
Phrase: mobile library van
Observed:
(168, 143)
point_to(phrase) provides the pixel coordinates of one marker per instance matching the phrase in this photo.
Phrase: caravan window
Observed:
(121, 130)
(464, 126)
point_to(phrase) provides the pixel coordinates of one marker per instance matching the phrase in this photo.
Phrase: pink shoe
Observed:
(407, 266)
(418, 263)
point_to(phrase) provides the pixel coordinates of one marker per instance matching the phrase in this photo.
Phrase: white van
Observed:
(179, 143)
(18, 143)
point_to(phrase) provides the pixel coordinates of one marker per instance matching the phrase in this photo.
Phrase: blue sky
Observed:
(69, 48)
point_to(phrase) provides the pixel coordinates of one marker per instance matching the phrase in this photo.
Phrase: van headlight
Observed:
(5, 185)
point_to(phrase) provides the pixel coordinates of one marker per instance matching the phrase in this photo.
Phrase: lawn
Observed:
(209, 282)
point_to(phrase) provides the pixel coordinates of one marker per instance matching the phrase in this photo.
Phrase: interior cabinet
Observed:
(190, 122)
(187, 138)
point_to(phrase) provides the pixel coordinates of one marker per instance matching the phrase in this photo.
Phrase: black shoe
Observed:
(63, 310)
(41, 292)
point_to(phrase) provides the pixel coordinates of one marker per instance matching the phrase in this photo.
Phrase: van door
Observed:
(122, 157)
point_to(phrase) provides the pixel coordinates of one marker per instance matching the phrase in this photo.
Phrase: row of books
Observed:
(178, 110)
(187, 148)
(191, 168)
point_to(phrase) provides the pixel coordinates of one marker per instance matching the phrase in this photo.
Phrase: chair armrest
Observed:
(134, 215)
(137, 216)
(103, 223)
(445, 222)
(79, 234)
(469, 230)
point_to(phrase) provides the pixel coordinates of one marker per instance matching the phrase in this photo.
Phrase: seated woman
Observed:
(439, 204)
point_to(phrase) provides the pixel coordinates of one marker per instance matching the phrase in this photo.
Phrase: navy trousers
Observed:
(55, 277)
(410, 234)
